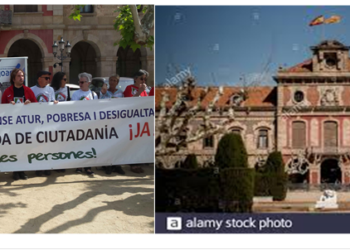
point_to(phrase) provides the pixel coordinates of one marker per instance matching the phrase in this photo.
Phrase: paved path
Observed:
(75, 203)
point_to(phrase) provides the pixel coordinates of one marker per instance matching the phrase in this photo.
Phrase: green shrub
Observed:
(231, 152)
(262, 184)
(187, 190)
(237, 189)
(278, 178)
(190, 162)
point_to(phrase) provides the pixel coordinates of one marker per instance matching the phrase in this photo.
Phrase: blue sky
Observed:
(224, 43)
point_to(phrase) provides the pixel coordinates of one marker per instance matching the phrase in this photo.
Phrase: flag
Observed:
(333, 19)
(317, 21)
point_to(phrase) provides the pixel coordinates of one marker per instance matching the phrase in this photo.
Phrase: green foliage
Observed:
(262, 184)
(124, 23)
(75, 15)
(231, 152)
(273, 175)
(237, 189)
(274, 162)
(279, 186)
(187, 190)
(190, 162)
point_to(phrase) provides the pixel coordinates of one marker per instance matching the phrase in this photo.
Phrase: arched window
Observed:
(298, 134)
(263, 139)
(236, 130)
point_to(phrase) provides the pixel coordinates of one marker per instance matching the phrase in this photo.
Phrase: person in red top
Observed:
(18, 93)
(151, 93)
(136, 90)
(139, 87)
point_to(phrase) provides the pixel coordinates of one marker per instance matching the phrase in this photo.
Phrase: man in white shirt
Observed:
(43, 93)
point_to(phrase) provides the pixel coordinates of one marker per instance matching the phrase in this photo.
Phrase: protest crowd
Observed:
(57, 92)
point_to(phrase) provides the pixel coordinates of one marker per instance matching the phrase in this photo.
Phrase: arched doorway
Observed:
(128, 61)
(330, 171)
(26, 47)
(83, 59)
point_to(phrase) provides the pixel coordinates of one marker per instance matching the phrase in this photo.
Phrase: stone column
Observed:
(345, 171)
(66, 63)
(46, 62)
(314, 175)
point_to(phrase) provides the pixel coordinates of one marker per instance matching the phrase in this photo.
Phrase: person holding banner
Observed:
(137, 90)
(62, 92)
(18, 93)
(84, 94)
(139, 87)
(112, 92)
(44, 93)
(58, 84)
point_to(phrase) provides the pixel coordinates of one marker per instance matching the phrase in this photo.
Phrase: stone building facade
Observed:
(306, 116)
(30, 30)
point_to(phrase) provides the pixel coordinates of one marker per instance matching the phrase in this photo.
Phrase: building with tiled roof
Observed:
(306, 116)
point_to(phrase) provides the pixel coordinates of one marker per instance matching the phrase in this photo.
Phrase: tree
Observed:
(231, 152)
(277, 176)
(135, 32)
(236, 179)
(173, 121)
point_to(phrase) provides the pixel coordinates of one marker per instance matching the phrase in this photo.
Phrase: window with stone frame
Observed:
(25, 8)
(330, 134)
(263, 139)
(298, 135)
(208, 142)
(87, 9)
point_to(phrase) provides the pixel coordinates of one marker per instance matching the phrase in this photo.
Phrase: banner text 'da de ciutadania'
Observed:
(76, 134)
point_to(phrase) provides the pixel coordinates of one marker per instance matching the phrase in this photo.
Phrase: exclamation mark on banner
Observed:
(94, 152)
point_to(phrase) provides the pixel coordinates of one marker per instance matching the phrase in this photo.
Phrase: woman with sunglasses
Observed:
(62, 92)
(83, 94)
(139, 87)
(58, 84)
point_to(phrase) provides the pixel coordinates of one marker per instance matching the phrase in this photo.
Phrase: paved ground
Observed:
(75, 203)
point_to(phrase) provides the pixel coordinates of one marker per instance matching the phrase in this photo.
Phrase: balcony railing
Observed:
(5, 17)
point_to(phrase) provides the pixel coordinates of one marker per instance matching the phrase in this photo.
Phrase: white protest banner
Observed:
(74, 134)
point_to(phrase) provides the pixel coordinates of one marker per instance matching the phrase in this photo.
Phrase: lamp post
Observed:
(61, 47)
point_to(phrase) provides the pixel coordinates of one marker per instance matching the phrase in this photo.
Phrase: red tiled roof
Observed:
(262, 96)
(305, 66)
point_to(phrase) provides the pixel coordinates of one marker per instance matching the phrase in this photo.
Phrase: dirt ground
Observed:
(75, 203)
